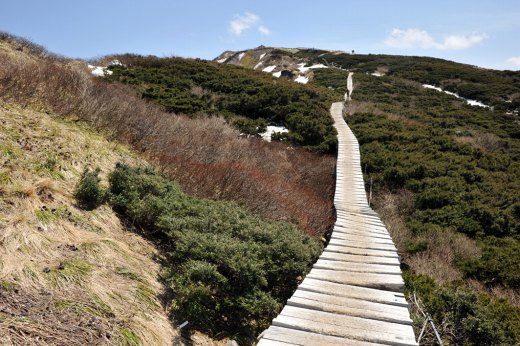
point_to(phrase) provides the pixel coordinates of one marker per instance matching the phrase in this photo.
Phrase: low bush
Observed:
(464, 317)
(230, 271)
(88, 192)
(499, 263)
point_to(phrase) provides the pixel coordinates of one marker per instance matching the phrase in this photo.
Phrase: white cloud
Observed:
(264, 30)
(415, 38)
(515, 61)
(244, 22)
(409, 38)
(461, 42)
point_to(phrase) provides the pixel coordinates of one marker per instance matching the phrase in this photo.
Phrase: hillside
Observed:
(250, 101)
(211, 262)
(81, 271)
(445, 176)
(500, 89)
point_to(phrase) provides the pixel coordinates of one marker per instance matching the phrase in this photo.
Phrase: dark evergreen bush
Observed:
(230, 271)
(88, 192)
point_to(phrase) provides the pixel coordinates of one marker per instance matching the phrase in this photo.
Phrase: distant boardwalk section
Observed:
(353, 294)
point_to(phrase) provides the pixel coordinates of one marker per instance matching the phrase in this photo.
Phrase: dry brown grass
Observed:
(77, 257)
(442, 247)
(486, 142)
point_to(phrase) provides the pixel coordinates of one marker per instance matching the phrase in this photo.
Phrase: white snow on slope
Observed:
(476, 103)
(258, 65)
(376, 74)
(303, 69)
(269, 68)
(468, 101)
(301, 79)
(272, 129)
(318, 66)
(220, 61)
(99, 71)
(240, 56)
(427, 86)
(262, 56)
(277, 74)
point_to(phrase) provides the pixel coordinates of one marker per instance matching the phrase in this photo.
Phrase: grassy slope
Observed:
(98, 280)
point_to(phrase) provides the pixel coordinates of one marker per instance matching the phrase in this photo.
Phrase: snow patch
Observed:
(277, 74)
(258, 65)
(240, 56)
(262, 56)
(220, 61)
(302, 68)
(427, 86)
(377, 74)
(99, 71)
(302, 79)
(476, 103)
(273, 129)
(318, 66)
(468, 101)
(269, 69)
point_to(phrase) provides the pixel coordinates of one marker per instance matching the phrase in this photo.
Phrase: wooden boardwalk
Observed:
(353, 294)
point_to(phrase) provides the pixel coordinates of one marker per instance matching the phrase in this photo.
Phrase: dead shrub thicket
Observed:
(205, 155)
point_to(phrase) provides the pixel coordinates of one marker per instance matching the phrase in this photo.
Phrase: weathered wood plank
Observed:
(354, 236)
(380, 281)
(357, 267)
(338, 256)
(363, 244)
(350, 307)
(302, 338)
(346, 326)
(267, 342)
(360, 251)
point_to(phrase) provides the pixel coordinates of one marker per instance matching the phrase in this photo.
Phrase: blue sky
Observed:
(479, 32)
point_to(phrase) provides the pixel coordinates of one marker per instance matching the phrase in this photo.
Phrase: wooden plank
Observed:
(338, 256)
(355, 323)
(267, 342)
(352, 307)
(380, 281)
(369, 225)
(362, 244)
(360, 251)
(360, 231)
(343, 232)
(345, 326)
(345, 223)
(302, 338)
(360, 237)
(357, 267)
(350, 291)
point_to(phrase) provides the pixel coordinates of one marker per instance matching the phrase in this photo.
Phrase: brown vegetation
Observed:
(205, 155)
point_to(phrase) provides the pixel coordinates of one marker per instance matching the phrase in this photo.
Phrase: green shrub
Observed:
(230, 271)
(250, 99)
(88, 192)
(498, 264)
(464, 317)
